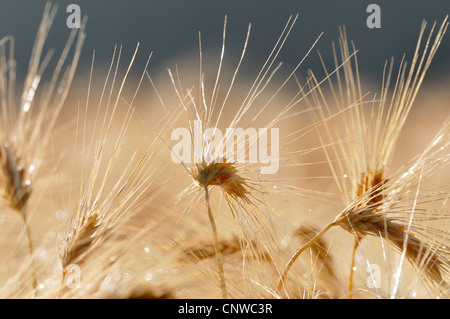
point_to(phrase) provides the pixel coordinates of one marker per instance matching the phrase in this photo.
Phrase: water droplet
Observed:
(30, 95)
(285, 241)
(26, 107)
(60, 214)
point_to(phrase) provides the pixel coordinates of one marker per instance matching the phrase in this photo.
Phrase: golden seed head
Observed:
(374, 183)
(221, 174)
(12, 179)
(79, 240)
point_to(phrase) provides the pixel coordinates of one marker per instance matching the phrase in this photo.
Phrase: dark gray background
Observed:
(170, 28)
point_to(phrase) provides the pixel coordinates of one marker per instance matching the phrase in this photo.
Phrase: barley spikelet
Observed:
(362, 165)
(102, 203)
(25, 132)
(224, 175)
(25, 135)
(429, 257)
(17, 190)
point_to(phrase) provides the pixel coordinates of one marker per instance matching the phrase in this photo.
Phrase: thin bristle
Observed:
(13, 180)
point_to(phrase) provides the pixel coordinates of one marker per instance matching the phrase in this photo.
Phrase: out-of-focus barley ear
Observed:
(203, 251)
(105, 200)
(362, 164)
(143, 292)
(412, 198)
(26, 126)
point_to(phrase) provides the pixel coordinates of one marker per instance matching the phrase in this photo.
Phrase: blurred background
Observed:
(170, 28)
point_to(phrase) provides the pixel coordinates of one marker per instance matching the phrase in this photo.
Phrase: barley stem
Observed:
(30, 250)
(216, 246)
(62, 284)
(298, 253)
